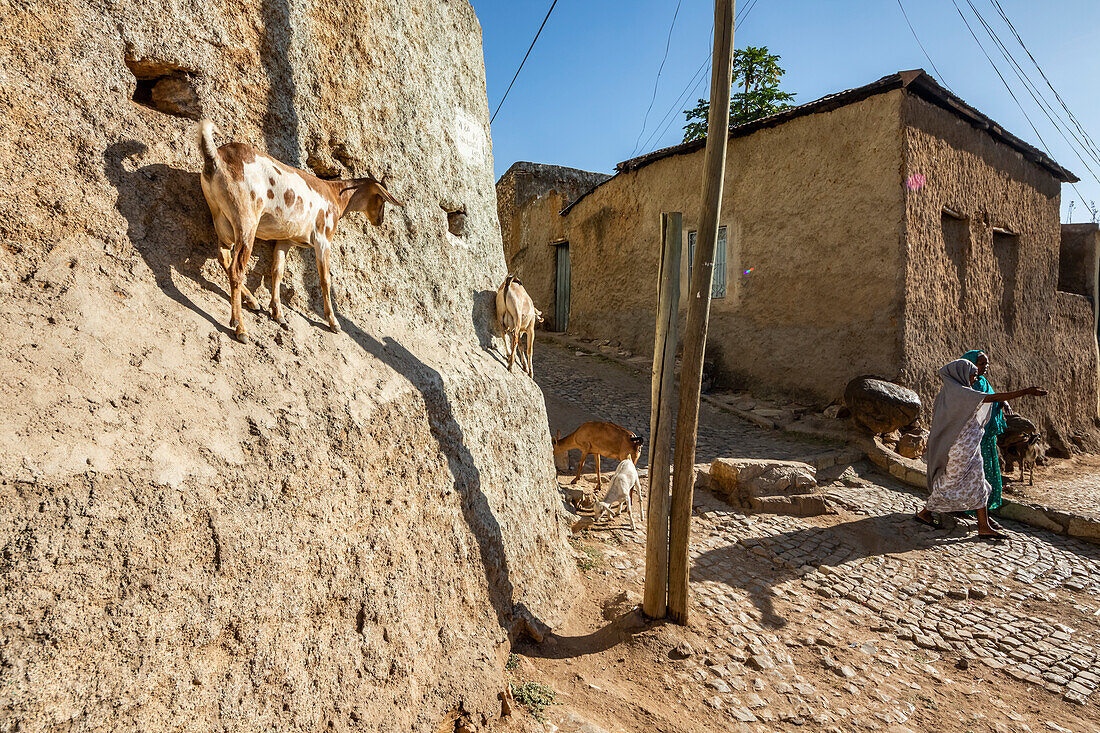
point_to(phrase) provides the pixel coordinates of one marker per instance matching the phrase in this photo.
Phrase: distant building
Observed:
(881, 230)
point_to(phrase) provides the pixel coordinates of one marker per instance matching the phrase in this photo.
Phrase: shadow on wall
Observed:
(483, 313)
(448, 435)
(168, 222)
(280, 122)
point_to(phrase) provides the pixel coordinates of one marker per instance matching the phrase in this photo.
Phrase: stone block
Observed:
(1084, 528)
(745, 477)
(1030, 515)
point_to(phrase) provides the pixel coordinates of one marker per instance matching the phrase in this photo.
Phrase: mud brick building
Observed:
(881, 230)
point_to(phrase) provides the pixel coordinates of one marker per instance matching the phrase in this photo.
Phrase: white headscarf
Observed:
(955, 405)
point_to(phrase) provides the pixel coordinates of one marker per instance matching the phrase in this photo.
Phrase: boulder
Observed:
(776, 487)
(913, 445)
(881, 406)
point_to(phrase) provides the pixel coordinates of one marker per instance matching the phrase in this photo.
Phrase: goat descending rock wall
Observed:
(315, 530)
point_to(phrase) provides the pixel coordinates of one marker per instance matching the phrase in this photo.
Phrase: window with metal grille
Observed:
(718, 278)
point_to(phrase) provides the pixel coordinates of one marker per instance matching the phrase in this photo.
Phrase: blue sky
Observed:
(583, 94)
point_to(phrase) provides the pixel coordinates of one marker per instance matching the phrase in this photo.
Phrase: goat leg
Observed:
(512, 352)
(278, 263)
(224, 258)
(242, 252)
(326, 291)
(580, 468)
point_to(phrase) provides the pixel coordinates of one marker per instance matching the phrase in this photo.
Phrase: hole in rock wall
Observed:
(165, 88)
(456, 222)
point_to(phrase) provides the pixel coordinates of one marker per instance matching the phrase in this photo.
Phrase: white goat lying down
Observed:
(253, 196)
(517, 315)
(623, 483)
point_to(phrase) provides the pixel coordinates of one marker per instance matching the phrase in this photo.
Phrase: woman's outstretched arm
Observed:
(1006, 396)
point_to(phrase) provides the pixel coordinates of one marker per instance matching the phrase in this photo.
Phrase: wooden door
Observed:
(561, 288)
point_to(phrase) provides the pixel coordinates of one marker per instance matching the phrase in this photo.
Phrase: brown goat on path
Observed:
(253, 196)
(517, 316)
(599, 439)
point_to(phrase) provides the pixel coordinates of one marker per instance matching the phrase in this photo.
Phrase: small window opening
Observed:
(956, 245)
(718, 274)
(1006, 251)
(456, 222)
(165, 88)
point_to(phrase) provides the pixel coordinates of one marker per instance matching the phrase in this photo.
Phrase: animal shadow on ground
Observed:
(484, 311)
(738, 566)
(169, 224)
(447, 433)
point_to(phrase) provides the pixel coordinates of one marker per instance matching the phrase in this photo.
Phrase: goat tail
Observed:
(538, 316)
(508, 282)
(211, 159)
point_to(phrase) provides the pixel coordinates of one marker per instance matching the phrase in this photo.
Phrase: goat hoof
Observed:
(334, 326)
(284, 323)
(242, 336)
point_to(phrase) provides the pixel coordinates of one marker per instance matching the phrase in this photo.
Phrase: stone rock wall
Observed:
(311, 531)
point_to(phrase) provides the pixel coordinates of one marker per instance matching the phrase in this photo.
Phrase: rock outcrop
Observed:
(311, 531)
(881, 406)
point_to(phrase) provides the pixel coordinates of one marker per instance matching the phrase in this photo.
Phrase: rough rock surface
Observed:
(762, 485)
(913, 445)
(311, 531)
(881, 406)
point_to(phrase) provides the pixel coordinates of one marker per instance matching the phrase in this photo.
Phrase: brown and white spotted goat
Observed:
(253, 196)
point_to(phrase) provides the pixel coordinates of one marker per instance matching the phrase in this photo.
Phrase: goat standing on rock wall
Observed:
(517, 315)
(253, 196)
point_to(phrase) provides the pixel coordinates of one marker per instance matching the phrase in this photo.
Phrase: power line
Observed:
(1003, 81)
(521, 63)
(1057, 96)
(693, 83)
(670, 115)
(917, 39)
(1029, 86)
(657, 81)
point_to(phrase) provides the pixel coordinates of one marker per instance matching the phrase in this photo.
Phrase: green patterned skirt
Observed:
(992, 462)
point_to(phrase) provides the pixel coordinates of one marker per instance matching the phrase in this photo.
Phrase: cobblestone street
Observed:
(1069, 485)
(878, 606)
(580, 388)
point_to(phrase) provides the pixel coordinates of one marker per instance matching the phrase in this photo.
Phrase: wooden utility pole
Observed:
(654, 602)
(695, 334)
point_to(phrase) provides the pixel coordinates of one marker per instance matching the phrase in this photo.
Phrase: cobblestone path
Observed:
(1069, 486)
(598, 389)
(869, 595)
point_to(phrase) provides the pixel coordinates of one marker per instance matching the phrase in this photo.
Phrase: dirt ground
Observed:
(613, 670)
(859, 620)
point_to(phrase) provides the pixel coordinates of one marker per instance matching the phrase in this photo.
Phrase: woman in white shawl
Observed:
(956, 473)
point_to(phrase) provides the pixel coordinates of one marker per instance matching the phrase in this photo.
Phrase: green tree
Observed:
(756, 74)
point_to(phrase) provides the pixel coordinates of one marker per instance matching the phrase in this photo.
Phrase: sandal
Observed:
(992, 536)
(934, 523)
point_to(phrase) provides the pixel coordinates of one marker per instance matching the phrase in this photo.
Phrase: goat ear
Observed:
(384, 191)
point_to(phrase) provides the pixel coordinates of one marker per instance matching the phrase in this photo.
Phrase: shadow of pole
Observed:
(280, 123)
(447, 433)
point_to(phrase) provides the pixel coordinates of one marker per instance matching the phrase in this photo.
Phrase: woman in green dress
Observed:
(993, 428)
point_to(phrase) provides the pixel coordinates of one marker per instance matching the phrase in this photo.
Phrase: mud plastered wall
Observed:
(988, 280)
(530, 197)
(315, 530)
(814, 206)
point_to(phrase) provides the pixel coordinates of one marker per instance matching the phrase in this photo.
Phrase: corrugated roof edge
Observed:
(916, 81)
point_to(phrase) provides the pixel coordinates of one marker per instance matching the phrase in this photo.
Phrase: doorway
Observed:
(561, 287)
